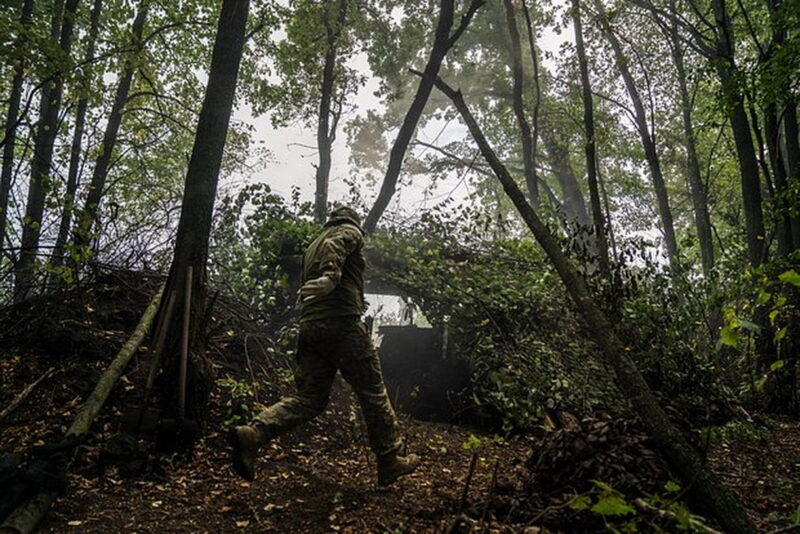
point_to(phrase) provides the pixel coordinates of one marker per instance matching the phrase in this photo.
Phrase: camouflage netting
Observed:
(506, 313)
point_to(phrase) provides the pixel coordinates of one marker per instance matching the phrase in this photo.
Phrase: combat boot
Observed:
(394, 466)
(246, 441)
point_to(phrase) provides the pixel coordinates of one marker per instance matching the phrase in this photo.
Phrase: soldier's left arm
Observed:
(343, 241)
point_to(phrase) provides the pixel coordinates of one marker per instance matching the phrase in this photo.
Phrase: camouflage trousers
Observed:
(325, 346)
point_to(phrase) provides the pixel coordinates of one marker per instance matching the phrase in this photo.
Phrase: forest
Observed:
(578, 242)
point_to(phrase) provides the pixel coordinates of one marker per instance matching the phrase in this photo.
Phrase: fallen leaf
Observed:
(242, 524)
(273, 508)
(75, 523)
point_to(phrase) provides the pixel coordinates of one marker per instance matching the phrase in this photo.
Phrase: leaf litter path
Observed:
(307, 483)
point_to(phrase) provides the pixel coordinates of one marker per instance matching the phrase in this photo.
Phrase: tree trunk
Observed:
(325, 132)
(704, 487)
(88, 218)
(75, 150)
(590, 146)
(515, 62)
(725, 66)
(46, 132)
(442, 43)
(776, 161)
(792, 140)
(194, 227)
(697, 187)
(574, 202)
(761, 151)
(788, 144)
(647, 137)
(12, 116)
(537, 98)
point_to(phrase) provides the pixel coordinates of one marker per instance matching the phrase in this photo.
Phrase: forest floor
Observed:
(319, 478)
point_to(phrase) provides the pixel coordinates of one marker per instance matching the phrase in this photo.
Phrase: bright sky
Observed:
(294, 159)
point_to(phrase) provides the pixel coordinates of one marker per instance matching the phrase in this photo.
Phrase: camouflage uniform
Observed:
(333, 337)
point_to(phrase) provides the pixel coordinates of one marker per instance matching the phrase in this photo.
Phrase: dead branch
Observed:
(19, 399)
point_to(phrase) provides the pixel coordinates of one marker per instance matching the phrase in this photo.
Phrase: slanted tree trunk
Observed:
(326, 132)
(75, 149)
(725, 65)
(442, 43)
(697, 187)
(88, 217)
(194, 227)
(703, 485)
(12, 116)
(590, 145)
(647, 138)
(515, 61)
(46, 132)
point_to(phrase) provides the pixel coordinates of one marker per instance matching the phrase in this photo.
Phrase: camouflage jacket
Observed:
(337, 253)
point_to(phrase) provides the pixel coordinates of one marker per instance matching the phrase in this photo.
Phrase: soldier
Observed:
(332, 337)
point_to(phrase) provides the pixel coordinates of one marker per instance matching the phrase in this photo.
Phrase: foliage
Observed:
(243, 395)
(759, 333)
(739, 431)
(662, 512)
(255, 235)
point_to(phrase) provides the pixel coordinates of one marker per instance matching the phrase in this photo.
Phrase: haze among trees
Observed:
(597, 202)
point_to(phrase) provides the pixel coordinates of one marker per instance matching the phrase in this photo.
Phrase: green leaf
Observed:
(580, 502)
(790, 277)
(763, 297)
(778, 364)
(672, 486)
(729, 337)
(612, 505)
(795, 517)
(605, 486)
(780, 334)
(772, 315)
(759, 384)
(472, 443)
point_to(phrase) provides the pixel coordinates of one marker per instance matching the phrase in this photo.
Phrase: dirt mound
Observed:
(90, 320)
(76, 332)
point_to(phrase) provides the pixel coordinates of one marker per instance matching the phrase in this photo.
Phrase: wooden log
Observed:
(29, 514)
(19, 399)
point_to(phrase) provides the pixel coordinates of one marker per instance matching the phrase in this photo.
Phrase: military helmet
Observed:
(344, 214)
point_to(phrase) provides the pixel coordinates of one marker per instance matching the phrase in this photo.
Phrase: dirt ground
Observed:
(307, 484)
(317, 479)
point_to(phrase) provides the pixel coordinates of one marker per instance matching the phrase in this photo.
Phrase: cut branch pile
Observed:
(612, 449)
